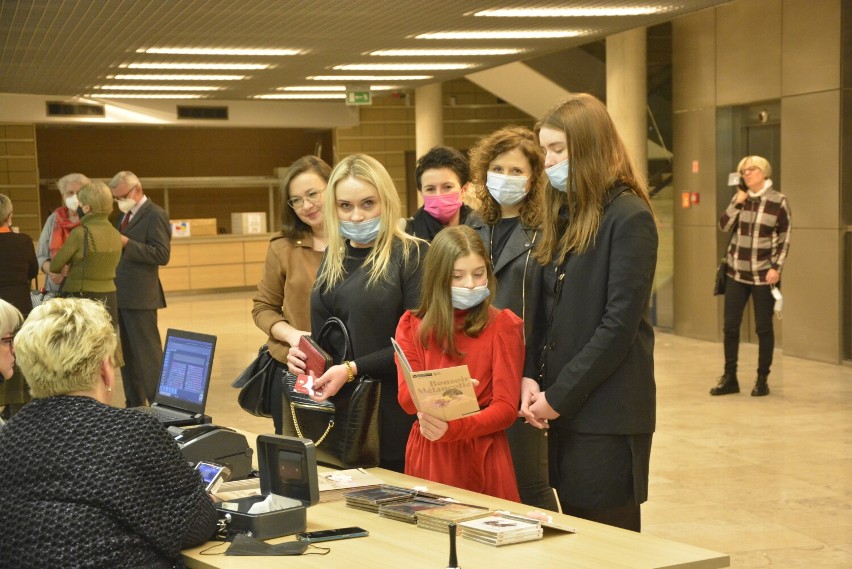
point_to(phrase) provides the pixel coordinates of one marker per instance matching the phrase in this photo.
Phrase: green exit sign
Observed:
(359, 98)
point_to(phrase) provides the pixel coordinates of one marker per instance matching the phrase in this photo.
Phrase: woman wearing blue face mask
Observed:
(369, 276)
(595, 352)
(507, 167)
(454, 325)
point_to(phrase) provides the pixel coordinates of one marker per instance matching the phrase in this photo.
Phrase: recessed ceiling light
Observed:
(501, 35)
(150, 77)
(571, 12)
(236, 66)
(302, 96)
(218, 51)
(403, 66)
(446, 52)
(159, 87)
(143, 96)
(338, 88)
(369, 77)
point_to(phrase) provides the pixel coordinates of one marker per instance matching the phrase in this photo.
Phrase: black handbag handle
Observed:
(325, 338)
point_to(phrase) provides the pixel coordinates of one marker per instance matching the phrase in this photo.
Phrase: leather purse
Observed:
(345, 427)
(721, 277)
(317, 359)
(256, 383)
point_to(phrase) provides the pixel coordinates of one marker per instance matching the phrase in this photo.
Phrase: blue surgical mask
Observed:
(558, 175)
(361, 231)
(507, 190)
(464, 298)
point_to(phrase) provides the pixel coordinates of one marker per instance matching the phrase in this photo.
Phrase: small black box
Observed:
(288, 469)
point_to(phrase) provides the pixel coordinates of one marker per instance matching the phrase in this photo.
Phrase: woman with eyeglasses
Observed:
(596, 351)
(369, 277)
(10, 319)
(759, 218)
(282, 303)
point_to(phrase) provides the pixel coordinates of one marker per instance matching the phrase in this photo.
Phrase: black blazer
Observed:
(137, 277)
(597, 357)
(18, 266)
(519, 275)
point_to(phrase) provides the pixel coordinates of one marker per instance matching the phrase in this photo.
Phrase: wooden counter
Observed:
(215, 262)
(396, 544)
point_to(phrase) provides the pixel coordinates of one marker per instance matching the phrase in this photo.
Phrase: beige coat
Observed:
(284, 290)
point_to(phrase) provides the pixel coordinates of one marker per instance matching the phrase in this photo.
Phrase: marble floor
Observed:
(767, 480)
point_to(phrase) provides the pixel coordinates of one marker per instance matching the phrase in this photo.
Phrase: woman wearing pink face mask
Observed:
(442, 179)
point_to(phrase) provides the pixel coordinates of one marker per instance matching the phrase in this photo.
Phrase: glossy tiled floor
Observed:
(767, 480)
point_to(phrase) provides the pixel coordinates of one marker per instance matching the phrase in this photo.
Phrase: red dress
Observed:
(474, 453)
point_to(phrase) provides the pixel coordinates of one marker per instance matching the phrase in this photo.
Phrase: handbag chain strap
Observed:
(319, 441)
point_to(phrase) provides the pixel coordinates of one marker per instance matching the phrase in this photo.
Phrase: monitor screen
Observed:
(187, 362)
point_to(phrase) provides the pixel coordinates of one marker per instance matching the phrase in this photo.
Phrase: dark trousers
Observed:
(143, 355)
(736, 298)
(529, 455)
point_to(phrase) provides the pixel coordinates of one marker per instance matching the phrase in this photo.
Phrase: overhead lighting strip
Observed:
(159, 87)
(446, 52)
(369, 77)
(176, 77)
(502, 35)
(220, 51)
(143, 96)
(403, 66)
(302, 96)
(211, 66)
(572, 12)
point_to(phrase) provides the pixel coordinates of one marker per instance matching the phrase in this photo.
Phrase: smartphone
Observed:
(213, 475)
(331, 534)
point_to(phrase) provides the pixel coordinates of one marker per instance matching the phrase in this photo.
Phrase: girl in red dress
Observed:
(455, 324)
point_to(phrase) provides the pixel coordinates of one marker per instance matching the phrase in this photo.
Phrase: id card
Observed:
(304, 384)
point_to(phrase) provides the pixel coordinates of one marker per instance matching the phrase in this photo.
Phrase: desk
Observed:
(393, 543)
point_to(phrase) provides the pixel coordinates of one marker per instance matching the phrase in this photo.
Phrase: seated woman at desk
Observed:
(84, 483)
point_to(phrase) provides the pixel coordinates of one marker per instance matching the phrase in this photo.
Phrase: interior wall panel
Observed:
(810, 49)
(695, 308)
(694, 58)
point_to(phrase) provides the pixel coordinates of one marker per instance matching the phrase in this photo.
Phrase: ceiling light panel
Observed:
(219, 51)
(369, 77)
(159, 87)
(211, 66)
(572, 12)
(143, 96)
(500, 35)
(446, 52)
(403, 66)
(335, 88)
(303, 96)
(176, 77)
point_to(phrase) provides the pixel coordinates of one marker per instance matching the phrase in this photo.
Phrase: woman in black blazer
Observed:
(595, 352)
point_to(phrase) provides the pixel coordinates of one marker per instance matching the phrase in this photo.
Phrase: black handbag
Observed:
(345, 427)
(256, 383)
(721, 278)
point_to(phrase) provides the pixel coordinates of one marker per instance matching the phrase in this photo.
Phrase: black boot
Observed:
(727, 384)
(760, 387)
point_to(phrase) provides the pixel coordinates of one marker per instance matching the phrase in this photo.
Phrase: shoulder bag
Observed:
(256, 384)
(722, 269)
(345, 427)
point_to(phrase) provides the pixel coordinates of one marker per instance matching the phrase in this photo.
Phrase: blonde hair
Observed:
(5, 208)
(97, 196)
(10, 317)
(436, 304)
(487, 150)
(597, 160)
(62, 344)
(370, 171)
(758, 161)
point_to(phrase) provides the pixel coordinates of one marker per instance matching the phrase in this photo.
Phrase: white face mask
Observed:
(507, 190)
(464, 298)
(72, 203)
(558, 175)
(125, 204)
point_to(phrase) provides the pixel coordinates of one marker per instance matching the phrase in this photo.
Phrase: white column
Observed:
(627, 92)
(428, 118)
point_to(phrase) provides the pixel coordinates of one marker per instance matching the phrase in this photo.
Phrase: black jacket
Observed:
(426, 227)
(597, 358)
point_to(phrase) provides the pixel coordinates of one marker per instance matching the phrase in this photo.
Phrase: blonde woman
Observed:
(85, 483)
(10, 319)
(370, 275)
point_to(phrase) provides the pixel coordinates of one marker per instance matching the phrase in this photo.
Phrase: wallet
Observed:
(317, 359)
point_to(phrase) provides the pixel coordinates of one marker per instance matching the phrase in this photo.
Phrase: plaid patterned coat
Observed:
(762, 238)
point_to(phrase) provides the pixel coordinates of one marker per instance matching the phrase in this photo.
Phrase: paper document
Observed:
(445, 394)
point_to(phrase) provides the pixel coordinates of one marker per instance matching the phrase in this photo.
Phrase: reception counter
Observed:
(215, 262)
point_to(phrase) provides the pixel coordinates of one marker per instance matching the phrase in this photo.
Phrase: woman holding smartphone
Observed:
(369, 276)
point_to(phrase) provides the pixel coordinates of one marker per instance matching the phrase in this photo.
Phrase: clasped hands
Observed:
(535, 409)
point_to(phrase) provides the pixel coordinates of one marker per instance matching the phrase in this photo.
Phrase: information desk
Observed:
(397, 544)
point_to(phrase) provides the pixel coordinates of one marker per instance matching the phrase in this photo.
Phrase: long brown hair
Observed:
(492, 146)
(436, 305)
(291, 225)
(597, 160)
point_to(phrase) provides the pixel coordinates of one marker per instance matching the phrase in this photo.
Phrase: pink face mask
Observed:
(442, 206)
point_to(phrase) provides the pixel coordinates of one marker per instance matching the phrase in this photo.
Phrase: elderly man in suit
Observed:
(146, 236)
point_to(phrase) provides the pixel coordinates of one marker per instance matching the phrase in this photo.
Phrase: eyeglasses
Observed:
(8, 341)
(312, 196)
(130, 191)
(749, 170)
